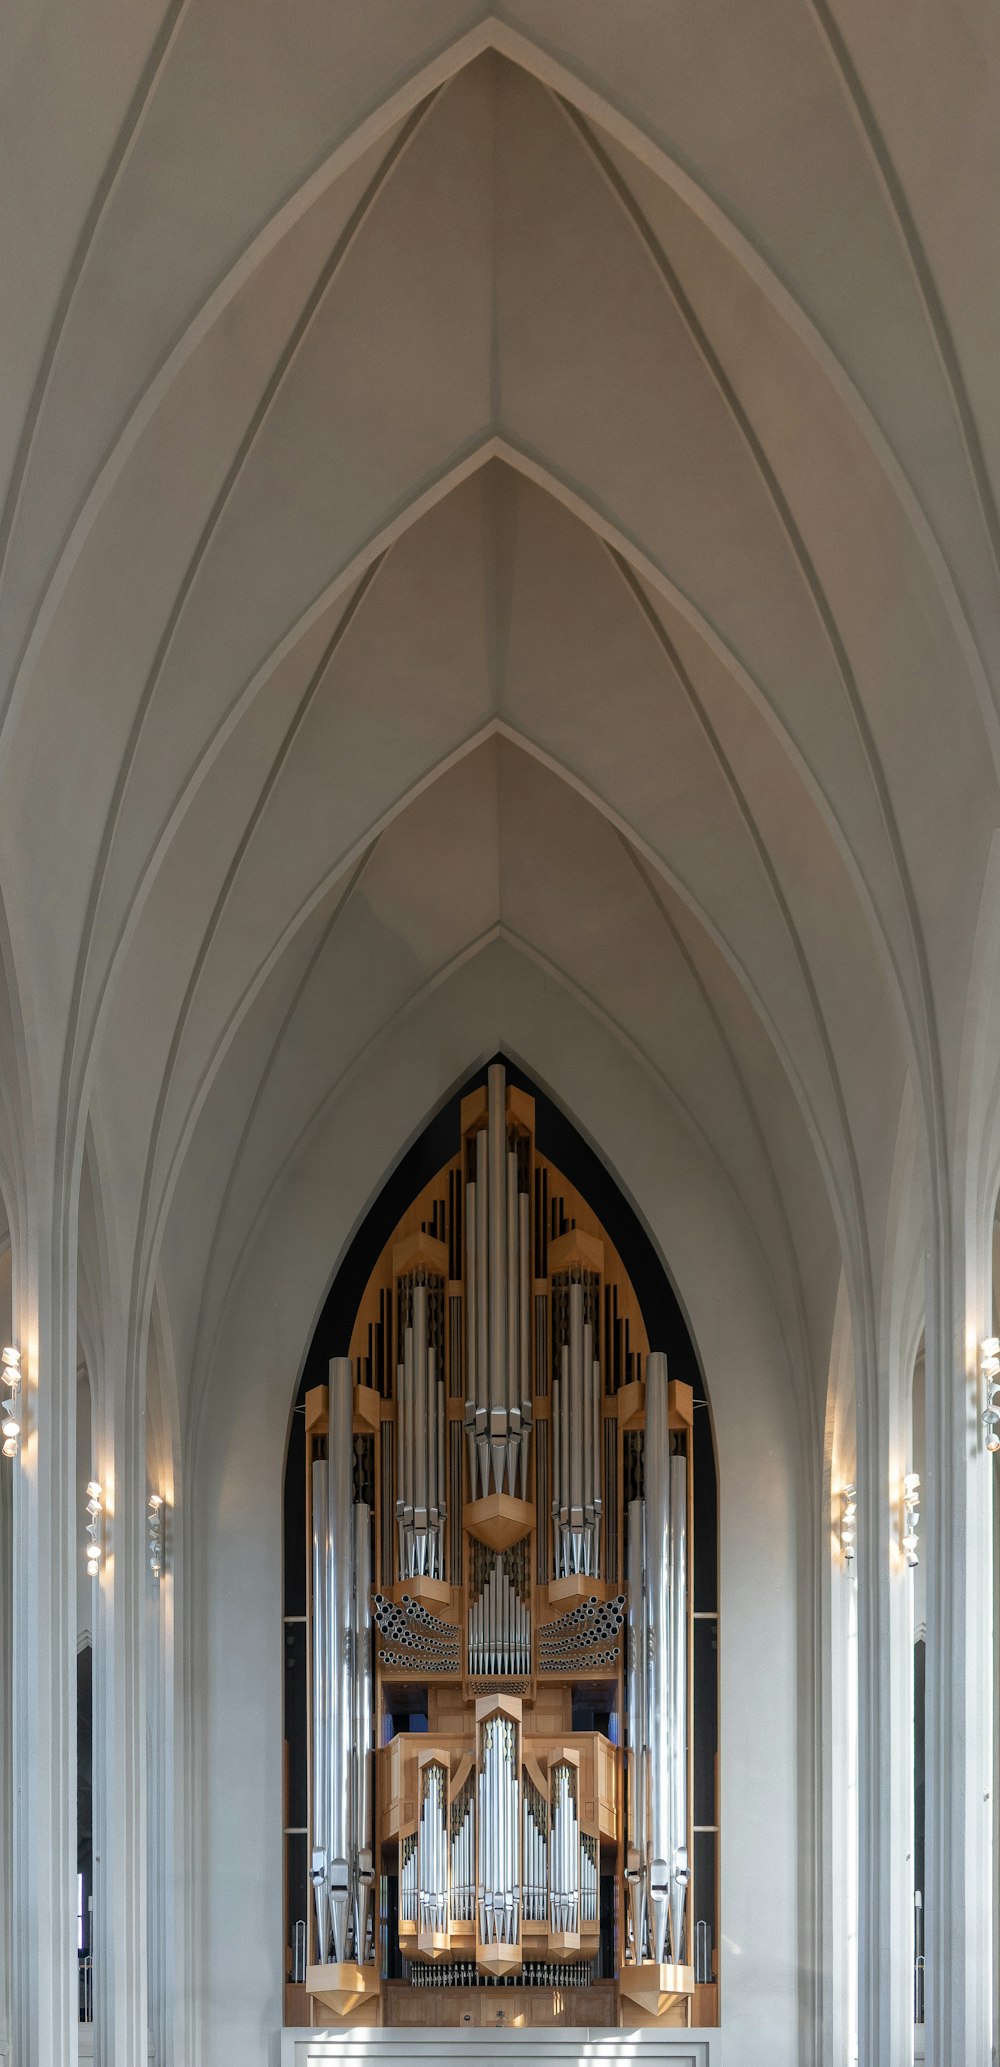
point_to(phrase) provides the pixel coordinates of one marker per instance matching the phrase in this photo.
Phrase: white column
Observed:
(959, 1657)
(886, 1765)
(44, 1964)
(6, 1775)
(120, 1797)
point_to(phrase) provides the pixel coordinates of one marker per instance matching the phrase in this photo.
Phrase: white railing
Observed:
(86, 1985)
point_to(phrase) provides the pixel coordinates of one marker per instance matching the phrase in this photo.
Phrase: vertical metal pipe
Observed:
(658, 1488)
(678, 1703)
(340, 1460)
(524, 1389)
(637, 1733)
(442, 1496)
(421, 1419)
(497, 1128)
(576, 1427)
(586, 1420)
(484, 1393)
(364, 1711)
(598, 1460)
(556, 1474)
(564, 1411)
(513, 1332)
(320, 1775)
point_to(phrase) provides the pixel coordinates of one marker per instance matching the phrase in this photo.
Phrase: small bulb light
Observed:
(10, 1378)
(93, 1547)
(155, 1534)
(911, 1517)
(848, 1518)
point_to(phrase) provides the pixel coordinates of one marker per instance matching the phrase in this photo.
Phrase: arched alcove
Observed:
(636, 1310)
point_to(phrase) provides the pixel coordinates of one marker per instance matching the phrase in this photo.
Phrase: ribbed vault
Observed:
(493, 497)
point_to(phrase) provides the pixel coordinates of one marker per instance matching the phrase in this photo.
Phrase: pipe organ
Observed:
(499, 1494)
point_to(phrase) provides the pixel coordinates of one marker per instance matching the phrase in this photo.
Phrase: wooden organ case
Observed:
(500, 1511)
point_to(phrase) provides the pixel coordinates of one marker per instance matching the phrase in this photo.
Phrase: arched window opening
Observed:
(501, 1603)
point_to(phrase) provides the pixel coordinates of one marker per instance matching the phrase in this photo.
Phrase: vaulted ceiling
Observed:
(495, 483)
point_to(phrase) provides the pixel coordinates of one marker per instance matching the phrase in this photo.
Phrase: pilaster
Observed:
(45, 2027)
(120, 1770)
(959, 1671)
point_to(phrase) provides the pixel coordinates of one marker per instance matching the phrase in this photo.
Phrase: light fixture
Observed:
(11, 1381)
(155, 1513)
(848, 1523)
(95, 1509)
(911, 1516)
(989, 1366)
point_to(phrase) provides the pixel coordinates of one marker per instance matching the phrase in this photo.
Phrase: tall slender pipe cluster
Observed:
(463, 1865)
(499, 1615)
(408, 1879)
(498, 1306)
(589, 1898)
(564, 1851)
(432, 1850)
(498, 1832)
(422, 1422)
(657, 1869)
(535, 1853)
(342, 1701)
(576, 1444)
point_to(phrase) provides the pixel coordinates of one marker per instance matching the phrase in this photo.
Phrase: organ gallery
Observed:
(500, 1517)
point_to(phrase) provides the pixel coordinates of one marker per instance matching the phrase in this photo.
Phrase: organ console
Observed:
(499, 1497)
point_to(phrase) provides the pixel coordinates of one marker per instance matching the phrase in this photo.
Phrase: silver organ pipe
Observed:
(666, 1607)
(320, 1775)
(432, 1851)
(564, 1856)
(340, 1474)
(422, 1416)
(364, 1713)
(463, 1883)
(535, 1854)
(577, 1505)
(408, 1880)
(499, 1625)
(498, 1277)
(589, 1897)
(342, 1690)
(576, 1428)
(680, 1872)
(481, 1258)
(498, 1832)
(416, 1344)
(524, 1389)
(637, 1733)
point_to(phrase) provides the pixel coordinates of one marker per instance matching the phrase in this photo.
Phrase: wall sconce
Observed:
(911, 1516)
(12, 1384)
(989, 1366)
(95, 1509)
(155, 1513)
(848, 1523)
